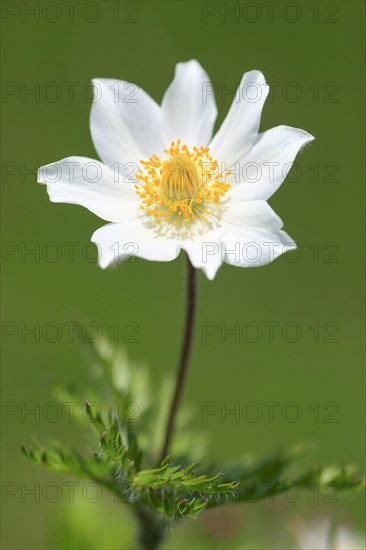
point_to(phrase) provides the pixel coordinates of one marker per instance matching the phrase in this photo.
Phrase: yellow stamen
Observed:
(180, 189)
(180, 179)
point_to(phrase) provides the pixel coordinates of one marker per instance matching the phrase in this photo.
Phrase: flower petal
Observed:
(253, 235)
(239, 130)
(247, 214)
(89, 183)
(125, 122)
(260, 173)
(119, 241)
(189, 108)
(204, 252)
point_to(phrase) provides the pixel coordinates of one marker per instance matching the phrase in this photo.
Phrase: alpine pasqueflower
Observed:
(321, 536)
(165, 185)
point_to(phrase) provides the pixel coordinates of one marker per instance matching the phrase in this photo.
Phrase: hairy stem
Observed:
(151, 532)
(184, 357)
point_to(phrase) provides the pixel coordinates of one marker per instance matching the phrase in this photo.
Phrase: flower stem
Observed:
(184, 357)
(152, 530)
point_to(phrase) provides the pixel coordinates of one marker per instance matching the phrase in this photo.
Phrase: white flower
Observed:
(165, 185)
(319, 536)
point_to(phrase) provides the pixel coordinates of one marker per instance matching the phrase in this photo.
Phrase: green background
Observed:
(321, 53)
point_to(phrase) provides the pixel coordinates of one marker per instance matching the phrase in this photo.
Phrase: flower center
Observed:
(182, 187)
(180, 179)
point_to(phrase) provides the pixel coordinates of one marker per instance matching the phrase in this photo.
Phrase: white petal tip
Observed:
(40, 175)
(211, 276)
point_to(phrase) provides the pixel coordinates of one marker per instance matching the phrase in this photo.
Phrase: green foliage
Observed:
(124, 460)
(172, 491)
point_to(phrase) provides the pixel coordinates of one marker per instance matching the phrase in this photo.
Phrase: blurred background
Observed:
(310, 367)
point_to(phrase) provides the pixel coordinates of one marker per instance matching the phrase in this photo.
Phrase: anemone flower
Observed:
(165, 184)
